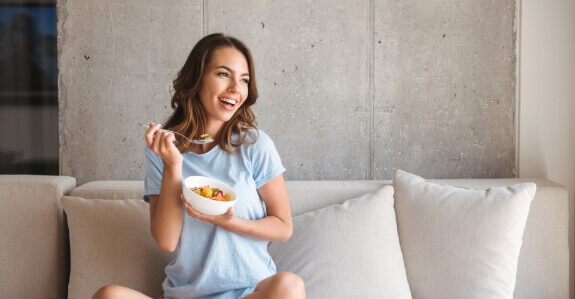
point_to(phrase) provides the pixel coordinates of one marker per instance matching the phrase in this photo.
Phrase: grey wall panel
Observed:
(312, 74)
(116, 62)
(444, 76)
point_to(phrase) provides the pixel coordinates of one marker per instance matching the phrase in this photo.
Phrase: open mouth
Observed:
(229, 102)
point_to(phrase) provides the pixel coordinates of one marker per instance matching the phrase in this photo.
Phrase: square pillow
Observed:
(111, 243)
(350, 250)
(458, 242)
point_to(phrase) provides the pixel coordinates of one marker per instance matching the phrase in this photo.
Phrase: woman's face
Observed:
(224, 85)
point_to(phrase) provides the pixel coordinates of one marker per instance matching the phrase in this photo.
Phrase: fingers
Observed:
(149, 135)
(230, 212)
(219, 220)
(155, 135)
(164, 141)
(158, 140)
(193, 212)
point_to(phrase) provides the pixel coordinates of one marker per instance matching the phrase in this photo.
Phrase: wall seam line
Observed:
(205, 29)
(518, 18)
(371, 90)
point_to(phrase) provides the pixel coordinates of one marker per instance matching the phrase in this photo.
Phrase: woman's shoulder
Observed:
(255, 136)
(255, 139)
(250, 135)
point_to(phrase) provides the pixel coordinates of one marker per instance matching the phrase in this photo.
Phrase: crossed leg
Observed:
(282, 285)
(118, 292)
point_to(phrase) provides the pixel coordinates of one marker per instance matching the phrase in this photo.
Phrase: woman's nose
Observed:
(233, 86)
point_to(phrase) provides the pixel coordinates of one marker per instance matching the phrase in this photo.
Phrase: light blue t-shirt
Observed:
(212, 262)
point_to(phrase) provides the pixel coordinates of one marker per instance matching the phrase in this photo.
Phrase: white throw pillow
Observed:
(458, 242)
(347, 251)
(110, 243)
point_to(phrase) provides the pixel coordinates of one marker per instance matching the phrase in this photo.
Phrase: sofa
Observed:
(402, 238)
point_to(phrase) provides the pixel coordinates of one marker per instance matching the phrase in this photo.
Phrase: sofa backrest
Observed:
(33, 242)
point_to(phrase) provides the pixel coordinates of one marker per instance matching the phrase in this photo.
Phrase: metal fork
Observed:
(201, 141)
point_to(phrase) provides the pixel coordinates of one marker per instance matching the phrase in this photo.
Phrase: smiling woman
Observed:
(232, 87)
(213, 94)
(224, 87)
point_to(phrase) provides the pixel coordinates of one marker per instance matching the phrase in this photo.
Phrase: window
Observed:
(28, 88)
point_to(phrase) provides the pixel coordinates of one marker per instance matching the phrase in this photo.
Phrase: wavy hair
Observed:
(189, 115)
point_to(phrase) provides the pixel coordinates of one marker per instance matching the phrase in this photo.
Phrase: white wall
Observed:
(547, 98)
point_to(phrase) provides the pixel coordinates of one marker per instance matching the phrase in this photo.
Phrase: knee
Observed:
(109, 291)
(291, 285)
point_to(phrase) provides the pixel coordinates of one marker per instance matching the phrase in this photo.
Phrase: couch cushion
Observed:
(110, 190)
(110, 243)
(458, 242)
(349, 250)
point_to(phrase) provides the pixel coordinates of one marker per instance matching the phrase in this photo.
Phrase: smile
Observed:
(229, 101)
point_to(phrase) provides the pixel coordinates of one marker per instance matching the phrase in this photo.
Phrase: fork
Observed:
(200, 141)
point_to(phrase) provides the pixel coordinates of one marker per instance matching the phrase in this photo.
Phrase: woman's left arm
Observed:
(276, 226)
(274, 194)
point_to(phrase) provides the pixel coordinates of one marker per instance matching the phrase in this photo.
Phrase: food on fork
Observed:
(206, 137)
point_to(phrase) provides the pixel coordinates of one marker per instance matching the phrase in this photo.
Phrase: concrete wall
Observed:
(349, 89)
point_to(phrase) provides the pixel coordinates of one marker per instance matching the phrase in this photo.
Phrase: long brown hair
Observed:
(189, 115)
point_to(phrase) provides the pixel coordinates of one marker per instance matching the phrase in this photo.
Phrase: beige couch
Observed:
(58, 240)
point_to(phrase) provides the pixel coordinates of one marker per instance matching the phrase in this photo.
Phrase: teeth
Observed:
(229, 101)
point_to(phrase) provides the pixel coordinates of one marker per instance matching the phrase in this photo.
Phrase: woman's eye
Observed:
(223, 74)
(245, 81)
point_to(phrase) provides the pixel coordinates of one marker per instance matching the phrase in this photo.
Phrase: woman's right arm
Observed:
(166, 209)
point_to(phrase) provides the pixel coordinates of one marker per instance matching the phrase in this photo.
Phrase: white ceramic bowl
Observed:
(206, 205)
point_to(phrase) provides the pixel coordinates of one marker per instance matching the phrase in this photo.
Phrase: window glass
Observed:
(28, 88)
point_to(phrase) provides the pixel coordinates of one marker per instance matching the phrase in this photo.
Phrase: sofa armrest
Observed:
(34, 255)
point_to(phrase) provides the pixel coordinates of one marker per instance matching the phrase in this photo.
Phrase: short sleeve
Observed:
(153, 176)
(266, 161)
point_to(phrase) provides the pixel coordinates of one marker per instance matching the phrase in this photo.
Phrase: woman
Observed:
(217, 256)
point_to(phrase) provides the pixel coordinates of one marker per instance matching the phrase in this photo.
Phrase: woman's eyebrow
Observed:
(230, 70)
